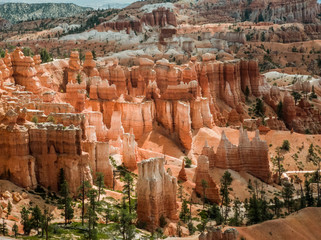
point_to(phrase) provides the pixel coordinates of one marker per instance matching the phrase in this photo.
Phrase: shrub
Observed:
(247, 93)
(285, 145)
(259, 108)
(188, 162)
(34, 119)
(45, 56)
(162, 221)
(279, 110)
(51, 119)
(79, 78)
(307, 131)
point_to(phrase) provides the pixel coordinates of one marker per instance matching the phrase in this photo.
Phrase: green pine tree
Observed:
(100, 183)
(225, 190)
(66, 203)
(25, 221)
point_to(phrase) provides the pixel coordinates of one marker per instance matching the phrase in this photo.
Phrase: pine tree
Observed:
(308, 194)
(184, 214)
(225, 189)
(36, 216)
(300, 167)
(204, 186)
(287, 194)
(128, 189)
(297, 96)
(107, 212)
(314, 156)
(125, 226)
(100, 183)
(3, 228)
(15, 229)
(45, 56)
(237, 219)
(66, 203)
(46, 219)
(247, 93)
(204, 220)
(61, 178)
(276, 206)
(214, 213)
(279, 110)
(278, 163)
(25, 221)
(92, 215)
(9, 208)
(83, 190)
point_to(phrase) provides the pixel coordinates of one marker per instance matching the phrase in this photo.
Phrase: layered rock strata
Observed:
(202, 174)
(249, 156)
(156, 193)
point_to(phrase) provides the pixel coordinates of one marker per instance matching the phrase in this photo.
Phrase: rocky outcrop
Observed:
(5, 72)
(260, 11)
(4, 24)
(35, 155)
(202, 174)
(175, 117)
(129, 151)
(55, 147)
(74, 67)
(41, 73)
(159, 17)
(99, 159)
(249, 156)
(182, 173)
(156, 193)
(123, 22)
(16, 163)
(89, 66)
(217, 234)
(24, 71)
(231, 36)
(302, 117)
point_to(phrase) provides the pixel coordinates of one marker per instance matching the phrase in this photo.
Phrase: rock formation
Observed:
(74, 67)
(156, 193)
(129, 151)
(217, 234)
(302, 117)
(202, 174)
(24, 71)
(182, 173)
(249, 156)
(261, 11)
(89, 66)
(159, 17)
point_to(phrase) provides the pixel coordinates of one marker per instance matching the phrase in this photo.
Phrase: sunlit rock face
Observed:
(24, 71)
(249, 156)
(156, 193)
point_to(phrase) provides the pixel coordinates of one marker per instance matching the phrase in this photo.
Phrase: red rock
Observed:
(129, 151)
(249, 156)
(156, 193)
(74, 67)
(89, 66)
(182, 173)
(24, 71)
(202, 174)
